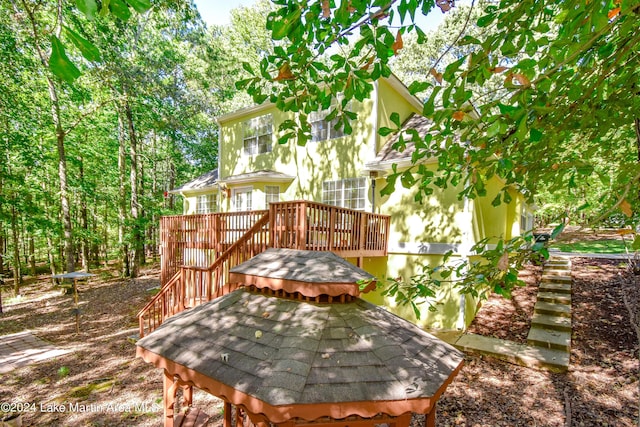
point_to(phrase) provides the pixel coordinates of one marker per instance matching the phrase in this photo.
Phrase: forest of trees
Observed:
(87, 161)
(103, 111)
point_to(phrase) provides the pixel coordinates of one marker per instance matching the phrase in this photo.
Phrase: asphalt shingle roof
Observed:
(284, 351)
(203, 181)
(415, 122)
(302, 266)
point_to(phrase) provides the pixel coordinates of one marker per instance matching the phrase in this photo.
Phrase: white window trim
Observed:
(320, 116)
(256, 125)
(266, 195)
(235, 191)
(211, 205)
(342, 197)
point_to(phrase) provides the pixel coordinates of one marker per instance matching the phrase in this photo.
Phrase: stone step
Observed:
(554, 297)
(542, 307)
(530, 356)
(558, 258)
(561, 288)
(549, 338)
(556, 272)
(557, 266)
(549, 321)
(546, 278)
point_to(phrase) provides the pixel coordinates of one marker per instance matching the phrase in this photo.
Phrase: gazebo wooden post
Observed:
(227, 414)
(430, 418)
(168, 398)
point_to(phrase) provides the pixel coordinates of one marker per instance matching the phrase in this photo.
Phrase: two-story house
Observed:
(348, 171)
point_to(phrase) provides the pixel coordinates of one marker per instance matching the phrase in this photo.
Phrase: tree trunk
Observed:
(135, 206)
(17, 269)
(56, 116)
(32, 256)
(122, 196)
(83, 222)
(3, 250)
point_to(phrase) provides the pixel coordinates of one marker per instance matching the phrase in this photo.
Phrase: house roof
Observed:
(311, 273)
(414, 122)
(287, 358)
(265, 175)
(202, 182)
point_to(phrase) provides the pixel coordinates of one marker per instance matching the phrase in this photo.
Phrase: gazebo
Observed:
(296, 346)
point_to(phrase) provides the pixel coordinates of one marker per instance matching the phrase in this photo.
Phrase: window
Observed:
(242, 199)
(207, 203)
(323, 129)
(347, 193)
(271, 194)
(526, 222)
(257, 135)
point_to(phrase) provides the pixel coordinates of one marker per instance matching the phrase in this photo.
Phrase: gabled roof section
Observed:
(389, 155)
(205, 181)
(266, 175)
(414, 122)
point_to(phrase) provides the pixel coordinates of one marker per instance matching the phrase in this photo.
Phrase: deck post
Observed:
(363, 233)
(302, 226)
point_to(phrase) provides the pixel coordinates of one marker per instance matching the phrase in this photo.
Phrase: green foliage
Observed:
(554, 87)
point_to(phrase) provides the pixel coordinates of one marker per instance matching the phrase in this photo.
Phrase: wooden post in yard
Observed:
(168, 398)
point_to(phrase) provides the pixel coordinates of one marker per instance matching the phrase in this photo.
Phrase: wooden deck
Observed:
(197, 251)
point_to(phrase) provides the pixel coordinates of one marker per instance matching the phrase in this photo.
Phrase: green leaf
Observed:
(88, 7)
(395, 118)
(636, 243)
(87, 48)
(417, 87)
(120, 9)
(496, 201)
(484, 21)
(557, 230)
(283, 25)
(535, 135)
(384, 131)
(140, 6)
(247, 68)
(59, 64)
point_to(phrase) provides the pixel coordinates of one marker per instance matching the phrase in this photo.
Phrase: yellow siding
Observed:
(390, 101)
(334, 159)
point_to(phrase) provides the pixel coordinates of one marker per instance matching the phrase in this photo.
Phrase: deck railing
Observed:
(199, 239)
(319, 227)
(199, 250)
(194, 285)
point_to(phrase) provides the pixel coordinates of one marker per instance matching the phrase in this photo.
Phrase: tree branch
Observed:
(88, 113)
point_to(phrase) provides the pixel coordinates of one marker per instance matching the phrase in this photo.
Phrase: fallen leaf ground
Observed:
(116, 389)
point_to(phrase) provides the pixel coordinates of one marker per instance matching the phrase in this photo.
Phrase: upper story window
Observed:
(206, 204)
(257, 135)
(323, 129)
(346, 193)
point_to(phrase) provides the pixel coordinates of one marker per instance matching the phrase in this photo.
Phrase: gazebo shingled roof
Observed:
(286, 359)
